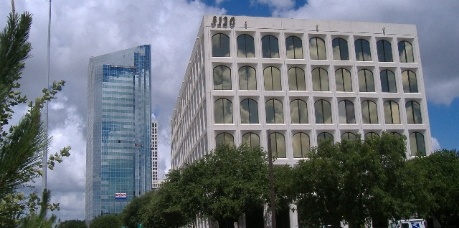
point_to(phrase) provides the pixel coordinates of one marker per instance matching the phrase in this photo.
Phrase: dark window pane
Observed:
(272, 79)
(298, 111)
(340, 49)
(362, 50)
(245, 46)
(317, 48)
(220, 45)
(343, 80)
(323, 112)
(300, 145)
(296, 79)
(388, 81)
(224, 138)
(247, 78)
(384, 51)
(222, 78)
(366, 81)
(274, 111)
(249, 111)
(278, 145)
(410, 82)
(320, 79)
(405, 51)
(270, 46)
(294, 47)
(223, 111)
(251, 139)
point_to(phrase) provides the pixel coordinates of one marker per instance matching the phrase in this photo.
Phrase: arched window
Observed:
(300, 145)
(298, 111)
(245, 46)
(317, 48)
(272, 78)
(278, 144)
(388, 84)
(223, 111)
(270, 46)
(405, 51)
(346, 112)
(249, 111)
(294, 47)
(413, 112)
(324, 136)
(369, 112)
(348, 136)
(220, 45)
(396, 134)
(274, 111)
(323, 112)
(384, 51)
(417, 144)
(320, 79)
(410, 82)
(224, 138)
(366, 81)
(371, 135)
(222, 78)
(296, 80)
(251, 139)
(247, 78)
(362, 50)
(343, 80)
(340, 49)
(391, 112)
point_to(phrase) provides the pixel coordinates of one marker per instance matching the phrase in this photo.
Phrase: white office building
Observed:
(154, 153)
(301, 80)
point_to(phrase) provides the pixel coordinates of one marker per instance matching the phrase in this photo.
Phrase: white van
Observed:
(409, 223)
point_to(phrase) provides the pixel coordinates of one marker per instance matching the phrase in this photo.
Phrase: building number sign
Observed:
(223, 22)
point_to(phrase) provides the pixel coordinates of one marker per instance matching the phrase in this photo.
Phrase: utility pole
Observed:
(272, 193)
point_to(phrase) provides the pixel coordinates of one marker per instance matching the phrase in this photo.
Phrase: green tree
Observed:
(166, 207)
(439, 175)
(234, 182)
(106, 221)
(317, 181)
(72, 224)
(21, 145)
(354, 181)
(133, 213)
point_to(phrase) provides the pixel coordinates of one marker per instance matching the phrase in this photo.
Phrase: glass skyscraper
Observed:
(118, 154)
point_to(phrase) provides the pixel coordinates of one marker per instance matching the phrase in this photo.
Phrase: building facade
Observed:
(118, 154)
(154, 154)
(297, 82)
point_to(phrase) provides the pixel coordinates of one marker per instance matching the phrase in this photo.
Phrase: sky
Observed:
(85, 28)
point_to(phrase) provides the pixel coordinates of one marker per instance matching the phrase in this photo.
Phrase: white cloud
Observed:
(81, 29)
(278, 4)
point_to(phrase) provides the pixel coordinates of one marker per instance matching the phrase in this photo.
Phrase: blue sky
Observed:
(85, 28)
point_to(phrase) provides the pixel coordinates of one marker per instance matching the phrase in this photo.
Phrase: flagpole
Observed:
(45, 152)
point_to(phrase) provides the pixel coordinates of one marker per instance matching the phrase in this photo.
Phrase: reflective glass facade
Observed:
(118, 151)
